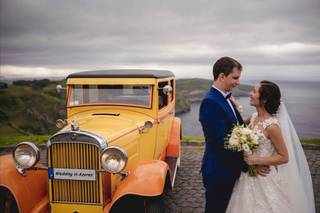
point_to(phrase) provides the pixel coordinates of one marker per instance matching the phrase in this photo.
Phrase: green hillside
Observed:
(193, 90)
(32, 107)
(29, 109)
(191, 84)
(200, 86)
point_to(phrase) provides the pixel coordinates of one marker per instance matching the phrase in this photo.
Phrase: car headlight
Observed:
(26, 154)
(114, 159)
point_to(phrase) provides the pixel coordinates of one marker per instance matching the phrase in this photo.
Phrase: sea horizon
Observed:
(302, 101)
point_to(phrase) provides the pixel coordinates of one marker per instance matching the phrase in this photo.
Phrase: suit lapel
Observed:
(239, 117)
(224, 104)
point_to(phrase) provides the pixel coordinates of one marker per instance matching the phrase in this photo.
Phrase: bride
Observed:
(288, 186)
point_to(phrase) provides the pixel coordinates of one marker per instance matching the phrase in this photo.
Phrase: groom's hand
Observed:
(263, 170)
(250, 159)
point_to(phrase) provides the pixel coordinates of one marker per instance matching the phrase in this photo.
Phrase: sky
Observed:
(275, 40)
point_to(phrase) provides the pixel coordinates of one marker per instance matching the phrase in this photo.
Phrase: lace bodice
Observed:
(283, 190)
(260, 194)
(265, 147)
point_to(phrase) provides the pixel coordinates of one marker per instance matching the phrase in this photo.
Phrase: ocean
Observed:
(301, 98)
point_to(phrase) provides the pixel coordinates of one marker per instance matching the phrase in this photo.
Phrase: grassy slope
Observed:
(187, 86)
(201, 139)
(28, 114)
(25, 111)
(14, 139)
(194, 90)
(42, 139)
(192, 84)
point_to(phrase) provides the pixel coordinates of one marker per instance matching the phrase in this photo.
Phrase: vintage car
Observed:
(117, 151)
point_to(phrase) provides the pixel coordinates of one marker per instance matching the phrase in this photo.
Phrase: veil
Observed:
(295, 175)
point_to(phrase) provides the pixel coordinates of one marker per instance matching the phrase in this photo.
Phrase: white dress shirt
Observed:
(228, 100)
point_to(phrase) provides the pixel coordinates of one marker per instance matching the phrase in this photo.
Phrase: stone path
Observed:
(188, 195)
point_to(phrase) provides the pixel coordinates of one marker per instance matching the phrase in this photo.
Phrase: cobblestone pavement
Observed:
(188, 194)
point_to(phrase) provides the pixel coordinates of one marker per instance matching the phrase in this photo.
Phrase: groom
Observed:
(220, 167)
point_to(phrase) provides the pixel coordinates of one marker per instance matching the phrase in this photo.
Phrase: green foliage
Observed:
(3, 116)
(30, 108)
(37, 139)
(182, 103)
(191, 90)
(6, 129)
(193, 84)
(187, 138)
(3, 85)
(24, 110)
(33, 106)
(35, 84)
(186, 86)
(42, 139)
(310, 141)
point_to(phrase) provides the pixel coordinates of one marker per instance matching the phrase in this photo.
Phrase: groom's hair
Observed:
(270, 96)
(225, 65)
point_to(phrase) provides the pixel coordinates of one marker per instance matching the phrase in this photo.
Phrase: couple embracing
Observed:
(283, 183)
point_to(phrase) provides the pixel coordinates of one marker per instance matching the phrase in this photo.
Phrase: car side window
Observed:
(162, 98)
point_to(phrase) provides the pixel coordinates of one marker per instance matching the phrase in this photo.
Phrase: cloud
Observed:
(184, 35)
(14, 72)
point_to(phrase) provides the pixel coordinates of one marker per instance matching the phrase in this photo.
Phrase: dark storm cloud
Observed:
(82, 34)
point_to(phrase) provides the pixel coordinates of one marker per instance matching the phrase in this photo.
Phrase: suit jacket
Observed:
(217, 120)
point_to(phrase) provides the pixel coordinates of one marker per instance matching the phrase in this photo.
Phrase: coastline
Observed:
(186, 97)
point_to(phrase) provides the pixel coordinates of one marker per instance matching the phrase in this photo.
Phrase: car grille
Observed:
(76, 156)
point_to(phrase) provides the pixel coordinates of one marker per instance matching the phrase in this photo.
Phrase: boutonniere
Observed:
(238, 106)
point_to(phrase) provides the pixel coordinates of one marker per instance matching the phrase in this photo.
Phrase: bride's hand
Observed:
(250, 159)
(263, 170)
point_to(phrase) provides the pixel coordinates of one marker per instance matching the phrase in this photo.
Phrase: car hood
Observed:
(107, 125)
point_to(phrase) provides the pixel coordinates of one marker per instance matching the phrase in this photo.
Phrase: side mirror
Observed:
(59, 88)
(167, 90)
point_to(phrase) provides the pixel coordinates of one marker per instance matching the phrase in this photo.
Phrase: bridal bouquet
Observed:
(245, 139)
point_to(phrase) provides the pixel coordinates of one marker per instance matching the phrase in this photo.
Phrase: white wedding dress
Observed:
(282, 190)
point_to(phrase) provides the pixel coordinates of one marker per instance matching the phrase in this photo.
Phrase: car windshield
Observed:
(110, 94)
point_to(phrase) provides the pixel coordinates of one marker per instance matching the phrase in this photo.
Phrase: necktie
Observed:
(229, 95)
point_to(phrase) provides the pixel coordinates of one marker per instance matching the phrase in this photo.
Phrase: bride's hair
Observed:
(270, 96)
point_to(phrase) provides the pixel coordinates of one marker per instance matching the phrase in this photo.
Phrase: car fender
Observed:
(174, 146)
(147, 179)
(30, 191)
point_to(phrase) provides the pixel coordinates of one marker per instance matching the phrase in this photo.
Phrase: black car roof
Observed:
(123, 73)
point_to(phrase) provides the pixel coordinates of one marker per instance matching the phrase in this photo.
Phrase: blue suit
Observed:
(220, 167)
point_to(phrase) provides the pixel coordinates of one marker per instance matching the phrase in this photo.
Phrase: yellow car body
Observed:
(131, 110)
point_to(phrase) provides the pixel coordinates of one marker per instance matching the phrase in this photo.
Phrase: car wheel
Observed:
(7, 202)
(154, 205)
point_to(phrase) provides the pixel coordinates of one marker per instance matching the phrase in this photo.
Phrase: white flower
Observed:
(240, 108)
(246, 131)
(242, 139)
(234, 134)
(235, 131)
(233, 141)
(246, 148)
